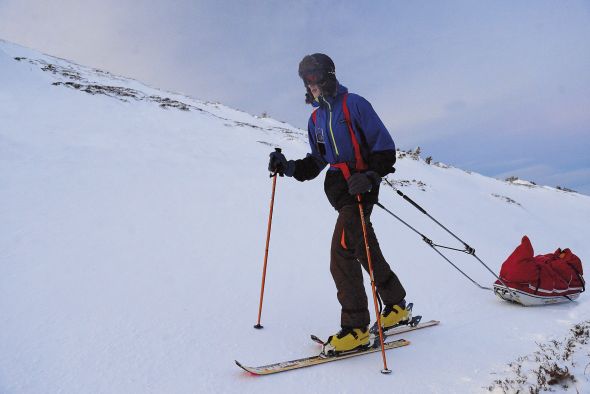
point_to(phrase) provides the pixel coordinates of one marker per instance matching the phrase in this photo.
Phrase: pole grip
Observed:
(278, 150)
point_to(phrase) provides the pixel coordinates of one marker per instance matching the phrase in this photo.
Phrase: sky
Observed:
(501, 88)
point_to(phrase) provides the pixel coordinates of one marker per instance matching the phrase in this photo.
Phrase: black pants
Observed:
(348, 253)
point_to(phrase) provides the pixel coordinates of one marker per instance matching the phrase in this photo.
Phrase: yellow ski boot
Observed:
(395, 315)
(346, 340)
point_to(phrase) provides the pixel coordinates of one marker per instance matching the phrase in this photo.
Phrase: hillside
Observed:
(132, 243)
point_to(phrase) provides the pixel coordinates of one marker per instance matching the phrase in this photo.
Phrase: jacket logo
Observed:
(319, 135)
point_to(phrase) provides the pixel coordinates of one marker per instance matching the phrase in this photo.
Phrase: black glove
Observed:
(278, 164)
(363, 182)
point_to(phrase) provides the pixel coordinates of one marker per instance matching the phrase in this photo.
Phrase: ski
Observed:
(316, 360)
(414, 324)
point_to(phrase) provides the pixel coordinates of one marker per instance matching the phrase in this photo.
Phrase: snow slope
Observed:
(132, 241)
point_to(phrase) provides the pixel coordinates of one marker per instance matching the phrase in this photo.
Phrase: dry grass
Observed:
(555, 365)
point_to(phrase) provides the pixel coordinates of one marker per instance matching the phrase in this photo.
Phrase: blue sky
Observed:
(498, 87)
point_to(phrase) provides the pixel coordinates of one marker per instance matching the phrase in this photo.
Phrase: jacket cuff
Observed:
(290, 170)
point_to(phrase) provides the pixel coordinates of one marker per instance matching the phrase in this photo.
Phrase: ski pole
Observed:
(272, 200)
(385, 370)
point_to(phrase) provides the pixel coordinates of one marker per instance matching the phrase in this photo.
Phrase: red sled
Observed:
(540, 280)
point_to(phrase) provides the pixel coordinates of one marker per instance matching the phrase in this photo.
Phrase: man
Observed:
(346, 133)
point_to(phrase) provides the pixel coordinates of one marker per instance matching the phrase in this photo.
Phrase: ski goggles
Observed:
(314, 76)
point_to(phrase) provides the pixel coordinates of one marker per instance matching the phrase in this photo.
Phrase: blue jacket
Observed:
(330, 142)
(331, 131)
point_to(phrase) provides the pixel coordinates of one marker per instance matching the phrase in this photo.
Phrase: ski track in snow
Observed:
(132, 242)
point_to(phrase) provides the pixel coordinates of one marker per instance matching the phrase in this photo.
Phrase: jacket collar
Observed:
(320, 101)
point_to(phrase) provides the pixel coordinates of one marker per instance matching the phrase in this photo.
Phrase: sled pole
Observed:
(272, 200)
(468, 249)
(492, 272)
(385, 370)
(458, 269)
(433, 246)
(418, 207)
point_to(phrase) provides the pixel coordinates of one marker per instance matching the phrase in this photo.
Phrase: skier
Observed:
(346, 133)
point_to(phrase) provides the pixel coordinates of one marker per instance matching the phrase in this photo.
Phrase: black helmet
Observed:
(318, 69)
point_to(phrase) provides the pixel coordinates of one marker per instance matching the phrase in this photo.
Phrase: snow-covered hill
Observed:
(132, 241)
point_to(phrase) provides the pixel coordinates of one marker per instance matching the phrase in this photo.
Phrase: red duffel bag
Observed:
(542, 279)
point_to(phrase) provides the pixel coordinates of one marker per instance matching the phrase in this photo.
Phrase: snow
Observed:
(132, 243)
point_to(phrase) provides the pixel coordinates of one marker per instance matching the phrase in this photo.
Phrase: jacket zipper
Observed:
(330, 126)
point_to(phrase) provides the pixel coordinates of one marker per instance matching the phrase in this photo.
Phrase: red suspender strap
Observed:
(359, 162)
(343, 167)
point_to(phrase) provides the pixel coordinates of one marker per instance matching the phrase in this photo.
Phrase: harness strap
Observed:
(579, 276)
(344, 168)
(539, 278)
(359, 163)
